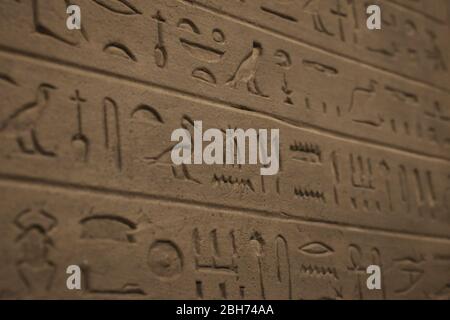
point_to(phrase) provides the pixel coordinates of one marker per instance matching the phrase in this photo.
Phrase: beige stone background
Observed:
(86, 177)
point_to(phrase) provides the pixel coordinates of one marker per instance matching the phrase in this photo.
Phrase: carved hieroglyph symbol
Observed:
(165, 259)
(202, 52)
(246, 71)
(80, 142)
(34, 267)
(23, 121)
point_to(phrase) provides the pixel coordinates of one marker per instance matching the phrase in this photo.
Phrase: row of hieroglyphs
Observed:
(140, 249)
(209, 56)
(410, 37)
(414, 33)
(66, 126)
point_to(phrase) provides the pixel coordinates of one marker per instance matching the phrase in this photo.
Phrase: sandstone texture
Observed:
(86, 176)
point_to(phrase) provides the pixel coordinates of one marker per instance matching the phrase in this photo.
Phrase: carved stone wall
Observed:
(86, 176)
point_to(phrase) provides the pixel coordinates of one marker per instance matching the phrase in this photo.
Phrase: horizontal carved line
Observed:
(249, 212)
(216, 102)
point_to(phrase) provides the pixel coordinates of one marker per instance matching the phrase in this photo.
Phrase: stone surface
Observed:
(87, 178)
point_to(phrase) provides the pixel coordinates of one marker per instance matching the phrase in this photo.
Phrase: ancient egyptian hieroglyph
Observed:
(86, 176)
